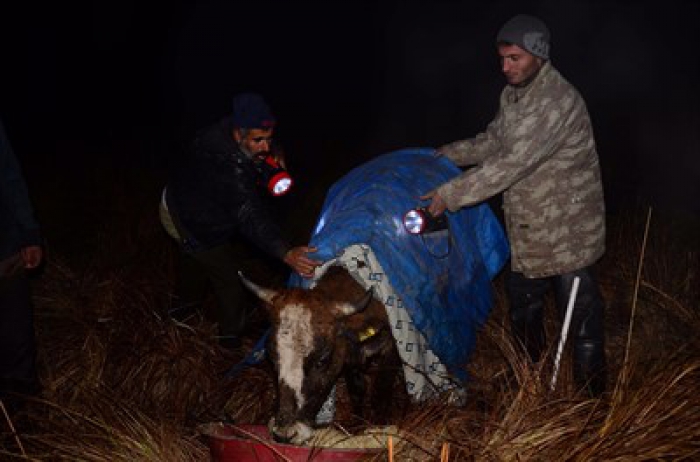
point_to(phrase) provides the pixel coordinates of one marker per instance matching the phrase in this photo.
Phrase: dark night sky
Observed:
(348, 80)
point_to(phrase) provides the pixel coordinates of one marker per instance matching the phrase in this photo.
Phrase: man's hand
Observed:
(297, 259)
(437, 204)
(439, 152)
(279, 155)
(31, 256)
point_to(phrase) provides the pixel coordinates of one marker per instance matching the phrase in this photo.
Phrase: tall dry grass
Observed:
(123, 382)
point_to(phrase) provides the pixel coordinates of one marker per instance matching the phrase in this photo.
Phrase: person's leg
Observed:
(587, 328)
(18, 375)
(191, 287)
(526, 297)
(222, 265)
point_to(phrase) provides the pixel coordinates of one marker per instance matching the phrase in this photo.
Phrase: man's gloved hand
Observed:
(437, 204)
(298, 260)
(279, 155)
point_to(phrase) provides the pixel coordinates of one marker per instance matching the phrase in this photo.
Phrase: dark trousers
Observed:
(216, 270)
(586, 332)
(17, 343)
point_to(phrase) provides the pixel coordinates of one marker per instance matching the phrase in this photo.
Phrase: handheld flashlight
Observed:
(420, 221)
(274, 177)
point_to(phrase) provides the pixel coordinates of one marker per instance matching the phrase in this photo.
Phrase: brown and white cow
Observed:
(318, 335)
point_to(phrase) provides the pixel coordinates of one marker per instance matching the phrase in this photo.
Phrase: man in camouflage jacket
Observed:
(540, 151)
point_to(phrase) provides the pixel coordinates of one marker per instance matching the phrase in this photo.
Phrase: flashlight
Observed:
(421, 221)
(274, 177)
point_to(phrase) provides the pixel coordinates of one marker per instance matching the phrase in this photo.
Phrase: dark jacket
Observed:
(213, 195)
(18, 228)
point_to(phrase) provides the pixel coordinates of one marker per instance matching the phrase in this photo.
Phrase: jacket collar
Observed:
(517, 93)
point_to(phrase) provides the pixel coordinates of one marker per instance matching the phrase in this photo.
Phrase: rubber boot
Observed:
(586, 330)
(589, 367)
(526, 312)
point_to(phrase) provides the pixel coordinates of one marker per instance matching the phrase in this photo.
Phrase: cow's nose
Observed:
(279, 433)
(297, 433)
(281, 438)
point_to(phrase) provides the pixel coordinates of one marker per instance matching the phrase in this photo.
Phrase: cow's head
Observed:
(312, 338)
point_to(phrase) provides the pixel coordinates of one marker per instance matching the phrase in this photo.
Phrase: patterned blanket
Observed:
(436, 287)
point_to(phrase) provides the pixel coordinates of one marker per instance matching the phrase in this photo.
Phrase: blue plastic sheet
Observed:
(444, 279)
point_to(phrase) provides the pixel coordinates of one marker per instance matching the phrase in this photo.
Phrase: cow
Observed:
(336, 329)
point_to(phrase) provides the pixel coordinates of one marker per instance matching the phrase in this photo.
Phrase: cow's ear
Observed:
(372, 339)
(263, 293)
(348, 308)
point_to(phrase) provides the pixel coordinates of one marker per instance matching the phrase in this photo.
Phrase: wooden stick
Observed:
(445, 453)
(623, 376)
(390, 444)
(637, 283)
(12, 428)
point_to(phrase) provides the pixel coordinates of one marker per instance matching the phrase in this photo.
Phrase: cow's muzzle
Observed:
(295, 433)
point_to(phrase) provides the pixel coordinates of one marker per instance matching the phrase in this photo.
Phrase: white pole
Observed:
(565, 329)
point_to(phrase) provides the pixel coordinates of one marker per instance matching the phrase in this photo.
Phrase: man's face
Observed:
(255, 143)
(518, 65)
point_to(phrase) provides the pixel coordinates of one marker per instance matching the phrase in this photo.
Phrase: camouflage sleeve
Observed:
(474, 150)
(526, 143)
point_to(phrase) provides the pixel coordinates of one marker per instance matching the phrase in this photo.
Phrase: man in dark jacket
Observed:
(214, 197)
(20, 250)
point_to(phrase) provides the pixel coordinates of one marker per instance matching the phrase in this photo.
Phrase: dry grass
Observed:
(123, 383)
(104, 428)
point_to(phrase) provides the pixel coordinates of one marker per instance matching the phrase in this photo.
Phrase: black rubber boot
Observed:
(589, 367)
(526, 312)
(586, 330)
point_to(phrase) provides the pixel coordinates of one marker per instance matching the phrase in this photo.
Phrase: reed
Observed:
(123, 382)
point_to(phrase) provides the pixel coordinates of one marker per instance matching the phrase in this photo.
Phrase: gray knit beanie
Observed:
(528, 32)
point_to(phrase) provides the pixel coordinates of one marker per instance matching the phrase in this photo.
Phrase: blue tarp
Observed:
(444, 278)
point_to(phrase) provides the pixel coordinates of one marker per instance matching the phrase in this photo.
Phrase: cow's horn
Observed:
(262, 293)
(349, 308)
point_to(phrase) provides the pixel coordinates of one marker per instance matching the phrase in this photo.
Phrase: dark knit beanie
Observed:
(251, 111)
(528, 32)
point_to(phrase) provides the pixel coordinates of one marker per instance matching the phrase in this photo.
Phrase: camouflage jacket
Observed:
(541, 152)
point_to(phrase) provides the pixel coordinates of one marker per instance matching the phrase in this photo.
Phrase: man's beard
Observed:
(259, 157)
